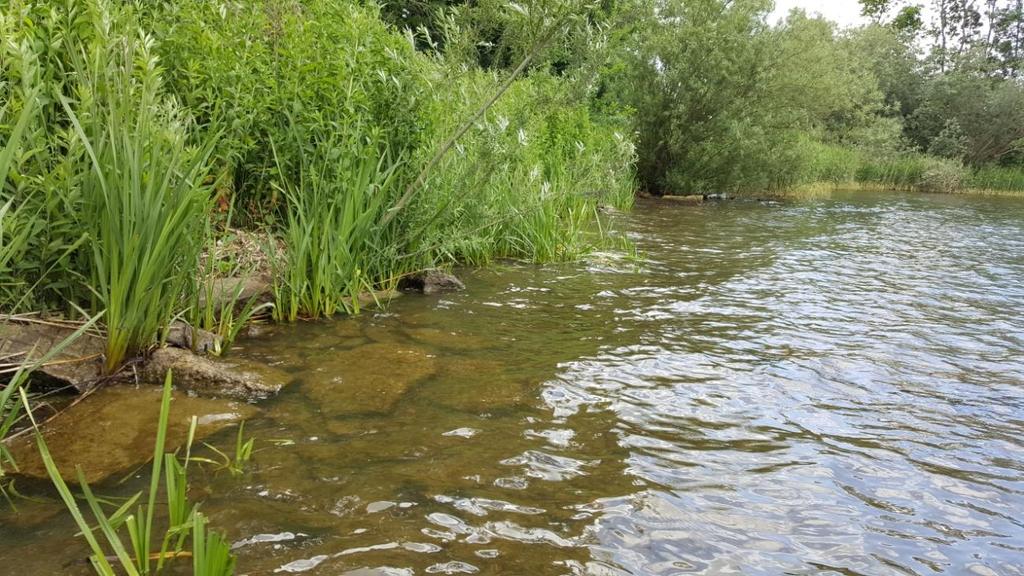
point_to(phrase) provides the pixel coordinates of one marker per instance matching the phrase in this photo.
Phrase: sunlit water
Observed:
(832, 386)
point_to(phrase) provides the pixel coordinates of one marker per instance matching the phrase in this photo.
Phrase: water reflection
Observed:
(823, 387)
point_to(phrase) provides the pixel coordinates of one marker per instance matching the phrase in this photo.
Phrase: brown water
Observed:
(833, 386)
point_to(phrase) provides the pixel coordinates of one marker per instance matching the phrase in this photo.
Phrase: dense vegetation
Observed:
(370, 141)
(364, 142)
(136, 134)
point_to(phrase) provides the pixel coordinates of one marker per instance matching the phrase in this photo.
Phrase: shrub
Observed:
(292, 73)
(943, 176)
(525, 182)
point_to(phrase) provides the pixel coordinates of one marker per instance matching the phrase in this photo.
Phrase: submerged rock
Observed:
(368, 379)
(210, 377)
(462, 390)
(437, 338)
(113, 430)
(79, 365)
(431, 282)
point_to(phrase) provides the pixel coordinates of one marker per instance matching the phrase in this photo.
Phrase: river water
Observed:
(833, 386)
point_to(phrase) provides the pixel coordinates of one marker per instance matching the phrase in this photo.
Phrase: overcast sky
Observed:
(845, 12)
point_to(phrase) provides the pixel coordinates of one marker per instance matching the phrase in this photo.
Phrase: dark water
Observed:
(833, 386)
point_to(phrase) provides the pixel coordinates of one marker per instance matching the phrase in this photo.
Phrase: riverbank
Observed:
(811, 190)
(413, 165)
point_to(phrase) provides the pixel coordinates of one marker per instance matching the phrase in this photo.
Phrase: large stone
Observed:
(431, 282)
(79, 364)
(236, 379)
(113, 430)
(369, 379)
(237, 291)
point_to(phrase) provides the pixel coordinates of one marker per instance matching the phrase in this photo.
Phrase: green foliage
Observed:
(242, 455)
(14, 234)
(293, 73)
(943, 176)
(999, 178)
(722, 100)
(211, 554)
(335, 248)
(526, 181)
(308, 115)
(964, 110)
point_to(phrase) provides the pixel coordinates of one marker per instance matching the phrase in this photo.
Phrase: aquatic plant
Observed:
(210, 553)
(332, 233)
(244, 449)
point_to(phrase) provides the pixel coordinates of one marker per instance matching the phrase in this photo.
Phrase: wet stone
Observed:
(236, 378)
(369, 379)
(461, 389)
(79, 364)
(438, 338)
(113, 430)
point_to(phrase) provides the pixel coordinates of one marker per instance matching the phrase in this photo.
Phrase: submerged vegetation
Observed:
(210, 553)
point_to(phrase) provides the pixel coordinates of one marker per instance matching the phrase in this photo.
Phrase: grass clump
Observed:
(144, 197)
(334, 245)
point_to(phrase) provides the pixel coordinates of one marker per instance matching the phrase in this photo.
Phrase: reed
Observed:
(334, 245)
(144, 195)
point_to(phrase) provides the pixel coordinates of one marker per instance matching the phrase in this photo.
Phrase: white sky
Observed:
(845, 12)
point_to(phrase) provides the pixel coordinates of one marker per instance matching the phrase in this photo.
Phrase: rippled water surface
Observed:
(831, 386)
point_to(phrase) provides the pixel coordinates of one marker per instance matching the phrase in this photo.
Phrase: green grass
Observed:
(839, 166)
(997, 178)
(14, 233)
(143, 194)
(333, 240)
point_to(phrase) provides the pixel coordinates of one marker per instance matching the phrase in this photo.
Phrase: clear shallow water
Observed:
(833, 386)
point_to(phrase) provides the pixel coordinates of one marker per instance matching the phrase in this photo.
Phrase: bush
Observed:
(291, 73)
(943, 176)
(525, 182)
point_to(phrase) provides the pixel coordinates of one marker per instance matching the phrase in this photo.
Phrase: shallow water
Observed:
(831, 386)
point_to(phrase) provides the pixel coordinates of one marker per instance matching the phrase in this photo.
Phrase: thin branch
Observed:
(415, 186)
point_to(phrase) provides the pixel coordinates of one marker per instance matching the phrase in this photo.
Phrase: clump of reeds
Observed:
(144, 194)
